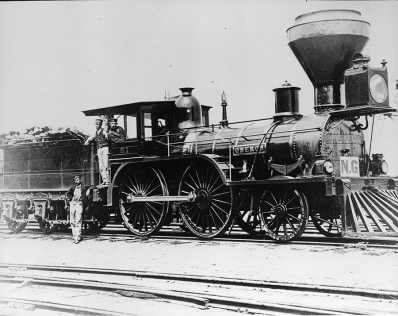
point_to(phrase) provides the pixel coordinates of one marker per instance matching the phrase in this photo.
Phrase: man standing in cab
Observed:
(101, 139)
(78, 197)
(116, 134)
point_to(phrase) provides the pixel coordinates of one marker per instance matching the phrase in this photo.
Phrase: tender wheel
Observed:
(46, 227)
(102, 220)
(16, 227)
(248, 217)
(87, 227)
(329, 227)
(284, 211)
(211, 213)
(143, 218)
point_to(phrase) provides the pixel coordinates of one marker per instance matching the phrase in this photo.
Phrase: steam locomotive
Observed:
(269, 176)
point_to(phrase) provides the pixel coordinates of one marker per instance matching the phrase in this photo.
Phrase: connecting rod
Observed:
(163, 198)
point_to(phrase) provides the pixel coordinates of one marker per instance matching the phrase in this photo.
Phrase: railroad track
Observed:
(195, 292)
(117, 232)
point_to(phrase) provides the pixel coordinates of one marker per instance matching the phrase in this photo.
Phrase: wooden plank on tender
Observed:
(362, 212)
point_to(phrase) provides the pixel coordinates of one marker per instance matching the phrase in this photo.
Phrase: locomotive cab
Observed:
(145, 123)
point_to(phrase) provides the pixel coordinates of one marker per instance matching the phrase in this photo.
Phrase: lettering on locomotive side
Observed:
(349, 167)
(247, 150)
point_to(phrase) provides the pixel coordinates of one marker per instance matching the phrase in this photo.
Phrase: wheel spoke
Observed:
(221, 201)
(134, 184)
(149, 220)
(147, 187)
(272, 195)
(195, 185)
(148, 205)
(211, 189)
(218, 194)
(208, 187)
(278, 224)
(282, 200)
(272, 205)
(197, 177)
(215, 182)
(290, 215)
(218, 216)
(296, 196)
(290, 224)
(149, 193)
(226, 213)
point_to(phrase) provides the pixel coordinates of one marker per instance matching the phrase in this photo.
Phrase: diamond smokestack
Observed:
(324, 43)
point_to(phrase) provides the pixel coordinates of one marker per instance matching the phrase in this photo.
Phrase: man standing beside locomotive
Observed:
(78, 200)
(101, 139)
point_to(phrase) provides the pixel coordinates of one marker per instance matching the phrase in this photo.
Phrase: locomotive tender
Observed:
(269, 176)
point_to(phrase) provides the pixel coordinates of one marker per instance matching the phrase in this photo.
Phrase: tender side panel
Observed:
(47, 166)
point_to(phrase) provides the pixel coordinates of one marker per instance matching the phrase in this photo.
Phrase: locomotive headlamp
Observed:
(322, 167)
(378, 165)
(328, 167)
(384, 167)
(378, 88)
(366, 86)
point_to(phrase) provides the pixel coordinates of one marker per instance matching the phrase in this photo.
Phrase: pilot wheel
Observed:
(328, 226)
(284, 211)
(248, 217)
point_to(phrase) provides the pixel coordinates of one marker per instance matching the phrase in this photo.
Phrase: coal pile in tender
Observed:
(41, 134)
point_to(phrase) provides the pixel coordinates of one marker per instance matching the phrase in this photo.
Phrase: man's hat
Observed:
(112, 120)
(98, 120)
(77, 176)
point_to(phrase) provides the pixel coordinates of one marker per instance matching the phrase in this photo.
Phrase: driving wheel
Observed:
(211, 213)
(143, 218)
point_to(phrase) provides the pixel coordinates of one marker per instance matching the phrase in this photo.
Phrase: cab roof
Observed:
(128, 108)
(133, 107)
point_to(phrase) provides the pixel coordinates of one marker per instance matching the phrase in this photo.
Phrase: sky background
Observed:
(59, 58)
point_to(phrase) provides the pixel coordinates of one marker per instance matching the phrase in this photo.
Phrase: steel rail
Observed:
(202, 299)
(166, 234)
(380, 294)
(56, 307)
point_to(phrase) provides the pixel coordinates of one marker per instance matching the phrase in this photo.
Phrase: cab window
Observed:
(147, 125)
(131, 125)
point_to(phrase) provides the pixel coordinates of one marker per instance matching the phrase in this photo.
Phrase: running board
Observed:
(370, 213)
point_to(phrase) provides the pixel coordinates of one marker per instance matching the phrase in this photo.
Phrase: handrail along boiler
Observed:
(268, 176)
